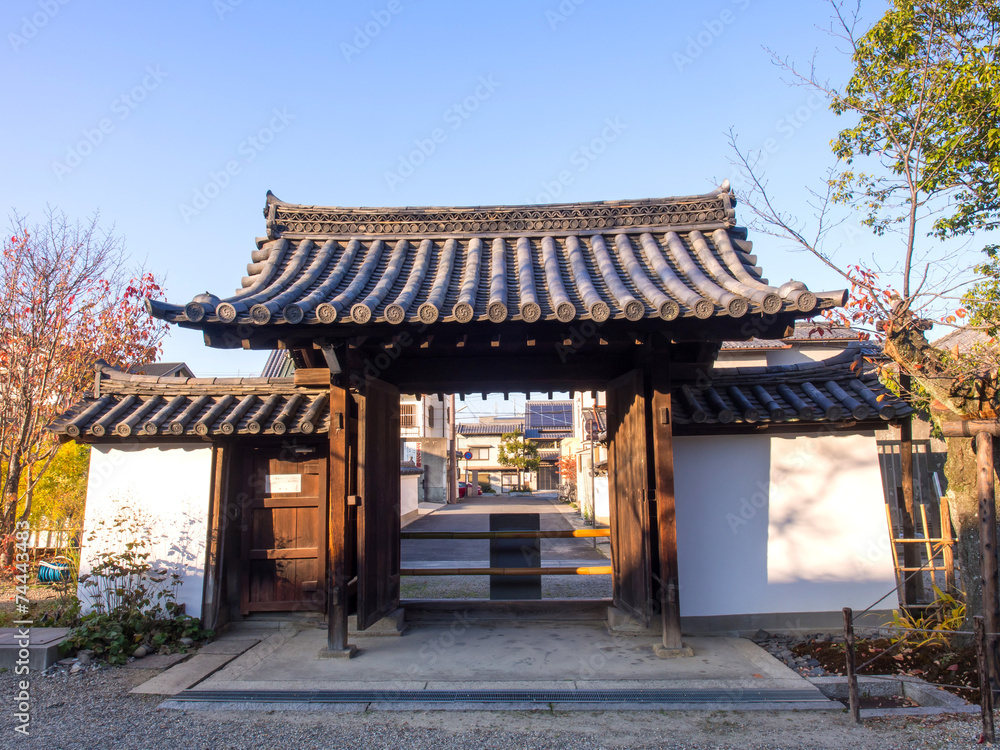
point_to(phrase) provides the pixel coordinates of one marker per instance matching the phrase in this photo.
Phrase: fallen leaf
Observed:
(953, 668)
(758, 675)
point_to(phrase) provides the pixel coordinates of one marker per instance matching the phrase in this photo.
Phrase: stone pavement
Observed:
(473, 514)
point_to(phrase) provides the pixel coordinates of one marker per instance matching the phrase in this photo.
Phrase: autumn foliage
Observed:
(65, 301)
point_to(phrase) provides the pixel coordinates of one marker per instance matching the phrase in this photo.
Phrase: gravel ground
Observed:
(93, 710)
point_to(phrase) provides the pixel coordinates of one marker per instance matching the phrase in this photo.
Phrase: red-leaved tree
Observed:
(66, 299)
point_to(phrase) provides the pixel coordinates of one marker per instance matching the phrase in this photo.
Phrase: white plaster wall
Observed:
(602, 502)
(167, 489)
(408, 497)
(780, 524)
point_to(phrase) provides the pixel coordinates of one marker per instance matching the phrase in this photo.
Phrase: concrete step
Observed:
(42, 645)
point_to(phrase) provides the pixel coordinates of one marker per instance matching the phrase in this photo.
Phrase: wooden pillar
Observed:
(337, 573)
(913, 588)
(661, 417)
(988, 549)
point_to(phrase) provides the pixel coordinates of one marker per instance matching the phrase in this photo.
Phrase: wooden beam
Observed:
(970, 428)
(317, 376)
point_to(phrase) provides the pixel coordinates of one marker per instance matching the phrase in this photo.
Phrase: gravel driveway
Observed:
(93, 710)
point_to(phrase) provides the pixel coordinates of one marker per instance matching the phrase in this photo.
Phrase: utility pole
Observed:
(452, 460)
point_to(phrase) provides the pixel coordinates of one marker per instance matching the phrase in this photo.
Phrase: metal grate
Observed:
(672, 695)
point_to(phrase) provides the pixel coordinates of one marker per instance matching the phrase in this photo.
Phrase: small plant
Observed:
(132, 602)
(941, 617)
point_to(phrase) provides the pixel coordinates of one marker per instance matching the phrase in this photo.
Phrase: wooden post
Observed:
(947, 540)
(913, 587)
(337, 594)
(988, 549)
(986, 695)
(852, 677)
(666, 523)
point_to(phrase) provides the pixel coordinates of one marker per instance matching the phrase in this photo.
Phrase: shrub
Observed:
(132, 602)
(942, 616)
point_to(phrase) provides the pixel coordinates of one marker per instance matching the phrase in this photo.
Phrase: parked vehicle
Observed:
(463, 487)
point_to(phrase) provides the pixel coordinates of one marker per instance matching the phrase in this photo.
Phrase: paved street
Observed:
(473, 514)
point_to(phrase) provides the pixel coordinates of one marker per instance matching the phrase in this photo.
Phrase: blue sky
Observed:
(174, 119)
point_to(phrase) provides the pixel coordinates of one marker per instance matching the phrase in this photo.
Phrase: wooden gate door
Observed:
(284, 531)
(628, 486)
(378, 489)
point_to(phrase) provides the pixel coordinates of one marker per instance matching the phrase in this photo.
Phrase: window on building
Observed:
(480, 453)
(408, 415)
(430, 416)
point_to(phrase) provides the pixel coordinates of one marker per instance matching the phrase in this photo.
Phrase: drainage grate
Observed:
(673, 695)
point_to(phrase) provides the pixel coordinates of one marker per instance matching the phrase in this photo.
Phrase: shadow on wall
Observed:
(775, 524)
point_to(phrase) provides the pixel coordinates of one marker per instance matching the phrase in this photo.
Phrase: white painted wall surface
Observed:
(408, 497)
(165, 487)
(780, 524)
(602, 502)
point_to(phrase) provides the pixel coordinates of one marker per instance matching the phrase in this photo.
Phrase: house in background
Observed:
(546, 424)
(482, 439)
(424, 435)
(164, 370)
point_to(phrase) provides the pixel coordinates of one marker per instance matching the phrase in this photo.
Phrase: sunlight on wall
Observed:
(162, 488)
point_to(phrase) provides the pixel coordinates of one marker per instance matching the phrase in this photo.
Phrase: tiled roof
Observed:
(547, 434)
(629, 260)
(145, 406)
(840, 389)
(548, 455)
(477, 429)
(817, 333)
(964, 338)
(142, 407)
(278, 365)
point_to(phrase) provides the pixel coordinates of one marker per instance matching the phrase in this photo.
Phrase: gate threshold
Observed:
(625, 696)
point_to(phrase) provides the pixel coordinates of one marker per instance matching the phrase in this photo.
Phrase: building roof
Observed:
(812, 333)
(332, 268)
(482, 429)
(844, 388)
(279, 365)
(964, 338)
(163, 369)
(124, 405)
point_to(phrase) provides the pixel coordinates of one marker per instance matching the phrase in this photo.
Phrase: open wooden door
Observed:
(378, 514)
(628, 486)
(283, 554)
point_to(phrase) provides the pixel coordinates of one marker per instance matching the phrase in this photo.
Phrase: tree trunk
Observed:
(961, 471)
